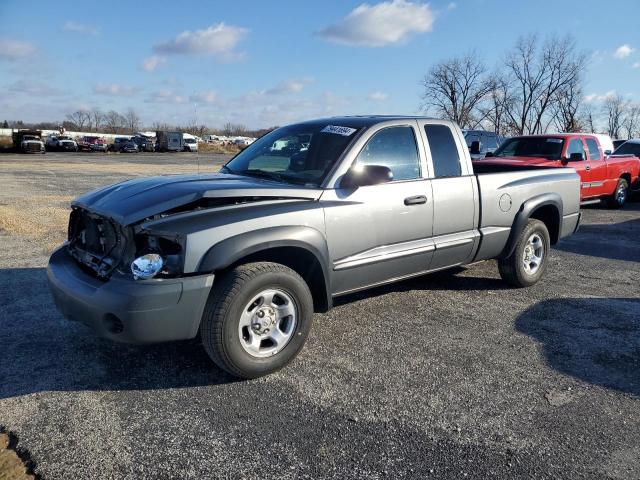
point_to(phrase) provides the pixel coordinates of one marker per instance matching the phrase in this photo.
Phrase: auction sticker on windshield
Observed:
(345, 131)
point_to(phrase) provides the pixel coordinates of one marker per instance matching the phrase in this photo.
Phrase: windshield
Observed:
(546, 147)
(628, 148)
(189, 140)
(301, 154)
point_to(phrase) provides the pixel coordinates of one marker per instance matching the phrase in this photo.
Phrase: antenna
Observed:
(195, 121)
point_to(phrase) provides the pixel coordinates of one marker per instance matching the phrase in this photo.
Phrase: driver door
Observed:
(381, 232)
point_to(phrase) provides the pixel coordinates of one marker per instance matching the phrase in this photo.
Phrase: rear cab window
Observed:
(594, 150)
(444, 151)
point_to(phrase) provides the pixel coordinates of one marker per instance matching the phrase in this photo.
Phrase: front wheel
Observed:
(619, 197)
(257, 319)
(526, 265)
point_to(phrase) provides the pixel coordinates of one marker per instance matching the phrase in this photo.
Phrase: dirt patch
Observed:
(11, 466)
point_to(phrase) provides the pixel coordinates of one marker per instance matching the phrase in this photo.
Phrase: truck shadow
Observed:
(41, 351)
(596, 340)
(619, 241)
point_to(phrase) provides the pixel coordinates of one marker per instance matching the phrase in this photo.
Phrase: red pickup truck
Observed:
(602, 176)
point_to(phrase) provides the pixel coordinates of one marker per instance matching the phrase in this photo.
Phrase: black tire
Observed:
(620, 195)
(512, 269)
(230, 294)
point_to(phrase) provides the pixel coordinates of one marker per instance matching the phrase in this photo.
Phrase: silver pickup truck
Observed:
(309, 212)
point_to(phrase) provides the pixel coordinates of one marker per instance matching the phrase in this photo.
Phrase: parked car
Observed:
(28, 141)
(602, 176)
(62, 143)
(169, 141)
(91, 143)
(190, 144)
(144, 144)
(244, 257)
(617, 143)
(480, 142)
(119, 143)
(629, 147)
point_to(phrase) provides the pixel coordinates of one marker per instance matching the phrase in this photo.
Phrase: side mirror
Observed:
(608, 152)
(475, 148)
(488, 154)
(363, 175)
(576, 157)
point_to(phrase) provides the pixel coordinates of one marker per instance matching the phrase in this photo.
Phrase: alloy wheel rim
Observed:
(621, 194)
(533, 254)
(267, 323)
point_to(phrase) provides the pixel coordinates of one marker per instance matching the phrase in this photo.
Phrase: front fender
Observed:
(232, 249)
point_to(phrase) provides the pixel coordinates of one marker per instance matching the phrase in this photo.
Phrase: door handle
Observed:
(417, 200)
(587, 168)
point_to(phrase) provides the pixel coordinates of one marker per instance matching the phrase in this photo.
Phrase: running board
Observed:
(589, 202)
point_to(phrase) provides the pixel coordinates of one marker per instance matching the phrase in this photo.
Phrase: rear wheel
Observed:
(619, 197)
(528, 262)
(257, 319)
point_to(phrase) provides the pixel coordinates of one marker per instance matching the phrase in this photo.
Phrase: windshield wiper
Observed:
(263, 174)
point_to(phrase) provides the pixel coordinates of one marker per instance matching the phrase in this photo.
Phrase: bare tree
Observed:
(114, 122)
(131, 121)
(492, 111)
(456, 87)
(614, 109)
(566, 107)
(233, 129)
(631, 120)
(80, 119)
(96, 117)
(536, 75)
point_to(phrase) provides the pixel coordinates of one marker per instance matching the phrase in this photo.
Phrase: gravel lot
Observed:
(446, 376)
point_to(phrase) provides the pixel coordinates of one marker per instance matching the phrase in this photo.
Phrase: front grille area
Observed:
(95, 242)
(33, 147)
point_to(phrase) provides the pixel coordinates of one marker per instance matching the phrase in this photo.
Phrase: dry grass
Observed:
(11, 467)
(216, 148)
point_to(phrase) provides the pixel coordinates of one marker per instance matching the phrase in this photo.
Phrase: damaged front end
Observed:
(102, 247)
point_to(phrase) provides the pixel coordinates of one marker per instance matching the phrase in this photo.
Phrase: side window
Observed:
(594, 151)
(575, 146)
(393, 147)
(490, 142)
(444, 151)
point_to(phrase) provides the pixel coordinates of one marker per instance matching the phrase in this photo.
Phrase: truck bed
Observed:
(503, 191)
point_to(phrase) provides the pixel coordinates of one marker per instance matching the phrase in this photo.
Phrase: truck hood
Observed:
(520, 161)
(129, 202)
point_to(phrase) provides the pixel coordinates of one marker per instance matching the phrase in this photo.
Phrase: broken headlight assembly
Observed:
(157, 257)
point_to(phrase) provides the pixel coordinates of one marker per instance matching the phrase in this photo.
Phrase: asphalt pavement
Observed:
(452, 375)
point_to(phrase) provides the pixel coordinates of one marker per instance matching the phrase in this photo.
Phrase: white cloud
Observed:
(599, 97)
(34, 88)
(378, 96)
(636, 65)
(452, 6)
(218, 40)
(166, 96)
(290, 86)
(382, 24)
(209, 96)
(623, 51)
(151, 63)
(71, 26)
(114, 89)
(14, 49)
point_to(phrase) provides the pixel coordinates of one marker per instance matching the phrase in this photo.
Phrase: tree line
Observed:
(128, 123)
(536, 87)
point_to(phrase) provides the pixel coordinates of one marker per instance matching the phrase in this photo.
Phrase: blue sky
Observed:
(266, 63)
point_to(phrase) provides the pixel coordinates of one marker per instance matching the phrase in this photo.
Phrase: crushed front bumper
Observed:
(125, 310)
